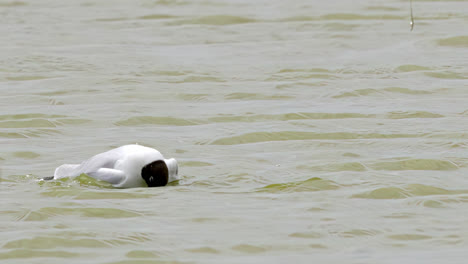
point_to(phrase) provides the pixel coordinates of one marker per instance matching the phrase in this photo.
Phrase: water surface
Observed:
(305, 130)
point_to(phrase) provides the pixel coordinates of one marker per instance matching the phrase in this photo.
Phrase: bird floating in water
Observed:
(125, 167)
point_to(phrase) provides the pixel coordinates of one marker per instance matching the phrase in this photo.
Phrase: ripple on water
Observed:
(147, 261)
(414, 164)
(408, 237)
(446, 75)
(204, 250)
(84, 187)
(249, 249)
(402, 90)
(195, 164)
(156, 17)
(70, 183)
(287, 117)
(255, 96)
(107, 213)
(193, 97)
(27, 78)
(309, 234)
(51, 242)
(340, 26)
(382, 8)
(410, 190)
(301, 75)
(141, 254)
(300, 85)
(379, 92)
(411, 68)
(155, 120)
(12, 135)
(38, 121)
(171, 121)
(458, 41)
(335, 167)
(310, 185)
(350, 16)
(214, 20)
(26, 154)
(360, 233)
(80, 194)
(28, 254)
(342, 16)
(257, 137)
(12, 4)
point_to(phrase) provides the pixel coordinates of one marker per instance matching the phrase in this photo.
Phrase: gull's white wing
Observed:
(103, 160)
(112, 176)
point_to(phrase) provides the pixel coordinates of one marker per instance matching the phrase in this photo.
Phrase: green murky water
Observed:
(306, 131)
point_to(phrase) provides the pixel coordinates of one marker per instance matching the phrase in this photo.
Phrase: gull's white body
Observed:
(120, 166)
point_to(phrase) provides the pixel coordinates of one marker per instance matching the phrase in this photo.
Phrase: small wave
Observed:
(319, 70)
(156, 16)
(141, 254)
(349, 16)
(111, 19)
(340, 27)
(349, 166)
(216, 20)
(204, 250)
(407, 237)
(446, 75)
(153, 120)
(411, 68)
(257, 137)
(196, 164)
(13, 4)
(382, 8)
(191, 79)
(27, 123)
(26, 154)
(411, 190)
(300, 76)
(402, 90)
(382, 92)
(341, 16)
(255, 96)
(360, 233)
(27, 78)
(38, 121)
(193, 97)
(30, 254)
(358, 92)
(12, 135)
(306, 235)
(459, 41)
(414, 164)
(415, 114)
(107, 213)
(249, 249)
(310, 185)
(50, 242)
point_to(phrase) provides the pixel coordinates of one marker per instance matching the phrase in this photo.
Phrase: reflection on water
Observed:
(301, 127)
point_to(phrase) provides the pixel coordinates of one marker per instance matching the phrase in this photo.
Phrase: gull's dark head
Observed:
(155, 174)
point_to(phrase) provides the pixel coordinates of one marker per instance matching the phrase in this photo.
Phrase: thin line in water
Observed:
(411, 13)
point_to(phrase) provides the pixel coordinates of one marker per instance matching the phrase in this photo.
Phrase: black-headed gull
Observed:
(125, 167)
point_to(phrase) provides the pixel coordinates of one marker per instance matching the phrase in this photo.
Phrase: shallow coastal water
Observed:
(306, 131)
